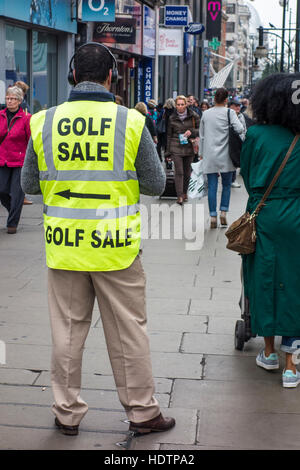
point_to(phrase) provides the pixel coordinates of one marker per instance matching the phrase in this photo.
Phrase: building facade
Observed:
(238, 45)
(36, 41)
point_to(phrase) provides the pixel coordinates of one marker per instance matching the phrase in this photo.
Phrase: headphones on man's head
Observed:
(114, 75)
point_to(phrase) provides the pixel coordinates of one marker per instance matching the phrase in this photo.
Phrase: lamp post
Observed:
(156, 63)
(297, 57)
(283, 4)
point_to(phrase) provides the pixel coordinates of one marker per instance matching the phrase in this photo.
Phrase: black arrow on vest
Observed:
(68, 194)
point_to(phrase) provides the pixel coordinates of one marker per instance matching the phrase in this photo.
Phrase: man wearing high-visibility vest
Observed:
(90, 158)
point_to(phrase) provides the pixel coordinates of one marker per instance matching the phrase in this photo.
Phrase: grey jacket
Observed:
(214, 137)
(150, 173)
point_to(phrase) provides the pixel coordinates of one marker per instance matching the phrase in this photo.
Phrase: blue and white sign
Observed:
(98, 10)
(149, 32)
(176, 15)
(53, 14)
(145, 81)
(194, 28)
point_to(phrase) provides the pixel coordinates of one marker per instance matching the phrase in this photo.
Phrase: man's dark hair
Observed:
(92, 63)
(221, 95)
(275, 101)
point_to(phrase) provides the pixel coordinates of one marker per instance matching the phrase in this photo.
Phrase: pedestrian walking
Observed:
(14, 137)
(162, 125)
(183, 126)
(204, 106)
(24, 87)
(214, 149)
(142, 108)
(271, 274)
(192, 105)
(236, 106)
(152, 110)
(94, 157)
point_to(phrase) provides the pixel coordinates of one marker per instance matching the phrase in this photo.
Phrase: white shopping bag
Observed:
(198, 182)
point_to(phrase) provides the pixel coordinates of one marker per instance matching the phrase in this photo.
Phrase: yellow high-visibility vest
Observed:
(86, 157)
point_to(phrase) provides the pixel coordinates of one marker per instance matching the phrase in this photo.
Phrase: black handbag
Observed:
(161, 125)
(235, 144)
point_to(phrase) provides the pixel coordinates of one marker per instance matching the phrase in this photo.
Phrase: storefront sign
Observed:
(170, 42)
(145, 81)
(149, 32)
(214, 19)
(122, 31)
(176, 15)
(189, 43)
(194, 28)
(98, 10)
(53, 14)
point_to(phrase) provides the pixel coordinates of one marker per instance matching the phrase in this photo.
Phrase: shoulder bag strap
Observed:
(228, 115)
(274, 180)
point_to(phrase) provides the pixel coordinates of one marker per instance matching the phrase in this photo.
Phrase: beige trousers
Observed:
(121, 301)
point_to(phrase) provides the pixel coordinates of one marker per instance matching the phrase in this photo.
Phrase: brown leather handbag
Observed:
(242, 232)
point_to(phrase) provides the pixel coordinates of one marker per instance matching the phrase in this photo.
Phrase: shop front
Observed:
(131, 38)
(35, 44)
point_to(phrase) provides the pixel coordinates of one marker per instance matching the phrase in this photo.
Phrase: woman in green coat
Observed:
(272, 273)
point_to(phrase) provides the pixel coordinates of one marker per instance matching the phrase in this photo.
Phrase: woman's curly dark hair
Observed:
(276, 100)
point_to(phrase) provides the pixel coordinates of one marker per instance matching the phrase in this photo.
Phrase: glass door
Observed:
(16, 55)
(44, 70)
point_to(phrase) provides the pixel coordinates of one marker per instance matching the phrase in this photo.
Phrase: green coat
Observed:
(272, 273)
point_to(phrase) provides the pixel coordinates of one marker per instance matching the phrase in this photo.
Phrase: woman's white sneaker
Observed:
(289, 379)
(269, 363)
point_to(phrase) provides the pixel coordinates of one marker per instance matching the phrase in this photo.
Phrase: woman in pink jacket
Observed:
(14, 137)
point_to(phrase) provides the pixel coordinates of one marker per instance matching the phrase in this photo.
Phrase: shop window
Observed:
(44, 70)
(40, 73)
(230, 27)
(230, 9)
(16, 55)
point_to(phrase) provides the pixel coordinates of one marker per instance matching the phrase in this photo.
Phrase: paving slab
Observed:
(219, 397)
(239, 396)
(249, 430)
(184, 432)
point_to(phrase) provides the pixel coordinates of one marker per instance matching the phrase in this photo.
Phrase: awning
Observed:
(219, 79)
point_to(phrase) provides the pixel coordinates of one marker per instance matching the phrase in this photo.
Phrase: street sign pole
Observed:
(283, 37)
(156, 65)
(297, 55)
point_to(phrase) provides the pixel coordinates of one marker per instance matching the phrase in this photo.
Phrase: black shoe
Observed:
(158, 424)
(67, 430)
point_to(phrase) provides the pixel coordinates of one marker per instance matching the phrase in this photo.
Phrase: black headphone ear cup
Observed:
(114, 75)
(71, 78)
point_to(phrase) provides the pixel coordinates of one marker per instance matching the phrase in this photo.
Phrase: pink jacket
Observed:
(13, 147)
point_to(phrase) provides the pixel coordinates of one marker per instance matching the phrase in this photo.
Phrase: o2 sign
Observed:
(98, 10)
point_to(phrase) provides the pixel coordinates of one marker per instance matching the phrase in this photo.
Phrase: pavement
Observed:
(221, 400)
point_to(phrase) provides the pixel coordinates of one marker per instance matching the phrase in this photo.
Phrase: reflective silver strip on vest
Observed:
(91, 214)
(117, 174)
(47, 143)
(88, 175)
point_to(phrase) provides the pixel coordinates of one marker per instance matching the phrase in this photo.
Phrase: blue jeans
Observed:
(290, 344)
(212, 179)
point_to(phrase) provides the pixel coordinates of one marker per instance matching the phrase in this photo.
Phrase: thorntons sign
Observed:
(122, 31)
(213, 19)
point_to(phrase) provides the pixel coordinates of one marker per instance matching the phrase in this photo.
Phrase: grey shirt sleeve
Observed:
(30, 180)
(150, 172)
